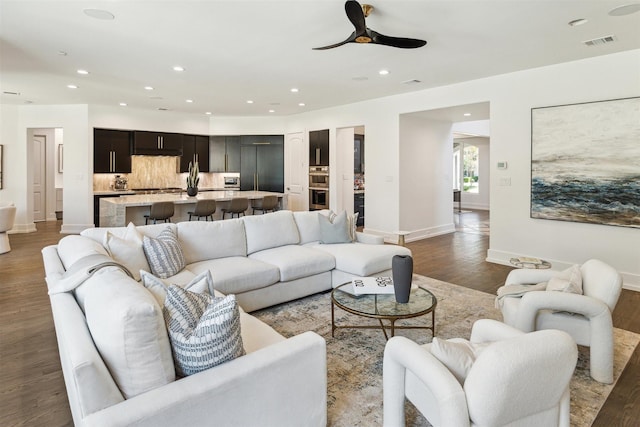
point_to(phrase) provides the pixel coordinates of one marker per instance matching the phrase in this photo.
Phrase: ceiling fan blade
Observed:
(356, 16)
(351, 39)
(401, 42)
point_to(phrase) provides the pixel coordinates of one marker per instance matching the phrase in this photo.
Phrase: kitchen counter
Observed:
(119, 211)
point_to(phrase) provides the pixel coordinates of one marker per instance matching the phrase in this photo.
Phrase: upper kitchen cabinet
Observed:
(111, 151)
(195, 148)
(358, 153)
(262, 166)
(225, 154)
(319, 148)
(157, 143)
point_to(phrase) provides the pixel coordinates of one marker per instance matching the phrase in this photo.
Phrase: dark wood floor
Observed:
(32, 390)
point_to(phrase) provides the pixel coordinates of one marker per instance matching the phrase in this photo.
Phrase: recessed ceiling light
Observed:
(294, 89)
(272, 111)
(467, 114)
(626, 9)
(383, 72)
(123, 104)
(577, 22)
(249, 101)
(178, 68)
(72, 86)
(208, 113)
(99, 14)
(302, 104)
(83, 72)
(189, 101)
(148, 88)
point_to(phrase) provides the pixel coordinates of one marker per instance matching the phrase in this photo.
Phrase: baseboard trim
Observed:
(630, 281)
(23, 228)
(414, 235)
(74, 228)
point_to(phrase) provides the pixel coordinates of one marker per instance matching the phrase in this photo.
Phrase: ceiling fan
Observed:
(362, 34)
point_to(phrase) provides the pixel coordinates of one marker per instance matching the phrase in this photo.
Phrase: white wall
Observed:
(426, 150)
(344, 172)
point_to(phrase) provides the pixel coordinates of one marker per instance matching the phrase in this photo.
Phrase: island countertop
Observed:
(119, 211)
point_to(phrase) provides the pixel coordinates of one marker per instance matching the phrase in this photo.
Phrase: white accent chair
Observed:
(519, 380)
(586, 317)
(7, 218)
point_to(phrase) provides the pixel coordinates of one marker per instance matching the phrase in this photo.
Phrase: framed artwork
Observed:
(585, 162)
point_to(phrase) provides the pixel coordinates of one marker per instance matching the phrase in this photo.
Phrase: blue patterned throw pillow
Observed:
(164, 254)
(204, 331)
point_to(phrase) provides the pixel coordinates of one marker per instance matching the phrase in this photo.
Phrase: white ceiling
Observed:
(234, 51)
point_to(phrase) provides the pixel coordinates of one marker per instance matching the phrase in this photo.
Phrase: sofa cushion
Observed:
(203, 240)
(334, 229)
(204, 331)
(295, 261)
(164, 253)
(73, 248)
(235, 275)
(352, 222)
(257, 334)
(270, 231)
(128, 329)
(457, 354)
(201, 284)
(127, 250)
(308, 226)
(151, 230)
(361, 259)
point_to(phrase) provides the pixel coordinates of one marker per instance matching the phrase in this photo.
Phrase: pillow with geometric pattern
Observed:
(200, 284)
(204, 331)
(164, 254)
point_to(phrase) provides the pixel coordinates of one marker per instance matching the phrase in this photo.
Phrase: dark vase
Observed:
(192, 191)
(402, 271)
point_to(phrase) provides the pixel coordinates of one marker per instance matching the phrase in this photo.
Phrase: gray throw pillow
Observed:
(204, 331)
(336, 231)
(164, 254)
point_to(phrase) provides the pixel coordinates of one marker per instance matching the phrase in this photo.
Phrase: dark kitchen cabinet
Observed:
(195, 148)
(262, 163)
(319, 148)
(111, 151)
(225, 154)
(358, 206)
(358, 153)
(157, 143)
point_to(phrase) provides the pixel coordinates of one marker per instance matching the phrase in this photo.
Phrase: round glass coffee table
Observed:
(383, 307)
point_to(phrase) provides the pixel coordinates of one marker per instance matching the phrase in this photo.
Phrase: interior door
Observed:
(296, 172)
(39, 178)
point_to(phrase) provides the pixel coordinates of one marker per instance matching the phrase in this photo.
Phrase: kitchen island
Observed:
(120, 211)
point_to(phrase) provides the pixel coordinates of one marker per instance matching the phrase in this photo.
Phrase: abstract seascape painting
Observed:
(585, 162)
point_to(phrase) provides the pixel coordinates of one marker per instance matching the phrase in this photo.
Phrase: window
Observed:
(470, 169)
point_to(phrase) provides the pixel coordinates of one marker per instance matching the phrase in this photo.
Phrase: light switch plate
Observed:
(501, 165)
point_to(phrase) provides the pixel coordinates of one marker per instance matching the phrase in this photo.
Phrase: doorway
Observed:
(46, 173)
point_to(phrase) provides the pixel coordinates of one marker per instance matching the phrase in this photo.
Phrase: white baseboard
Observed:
(23, 228)
(630, 281)
(413, 235)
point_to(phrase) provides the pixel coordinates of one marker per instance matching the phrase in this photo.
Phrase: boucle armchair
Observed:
(517, 380)
(586, 317)
(7, 218)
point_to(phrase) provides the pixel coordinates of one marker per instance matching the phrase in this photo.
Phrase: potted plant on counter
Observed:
(192, 179)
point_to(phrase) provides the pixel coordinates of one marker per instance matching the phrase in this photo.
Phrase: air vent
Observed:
(600, 40)
(411, 82)
(6, 92)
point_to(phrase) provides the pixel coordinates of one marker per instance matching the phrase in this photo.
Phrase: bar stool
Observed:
(160, 211)
(267, 203)
(237, 206)
(204, 208)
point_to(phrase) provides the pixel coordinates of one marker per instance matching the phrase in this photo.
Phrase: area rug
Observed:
(354, 356)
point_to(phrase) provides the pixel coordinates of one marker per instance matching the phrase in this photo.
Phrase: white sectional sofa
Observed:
(114, 349)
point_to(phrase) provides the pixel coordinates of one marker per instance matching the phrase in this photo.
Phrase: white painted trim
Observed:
(23, 228)
(412, 236)
(74, 228)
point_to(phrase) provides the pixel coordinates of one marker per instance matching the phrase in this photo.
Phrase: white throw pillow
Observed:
(352, 220)
(569, 280)
(457, 354)
(128, 250)
(204, 331)
(164, 253)
(334, 229)
(201, 284)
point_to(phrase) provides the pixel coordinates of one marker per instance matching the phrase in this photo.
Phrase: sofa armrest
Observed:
(533, 302)
(284, 384)
(369, 238)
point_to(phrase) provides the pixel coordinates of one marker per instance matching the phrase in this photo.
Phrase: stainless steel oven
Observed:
(318, 199)
(319, 177)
